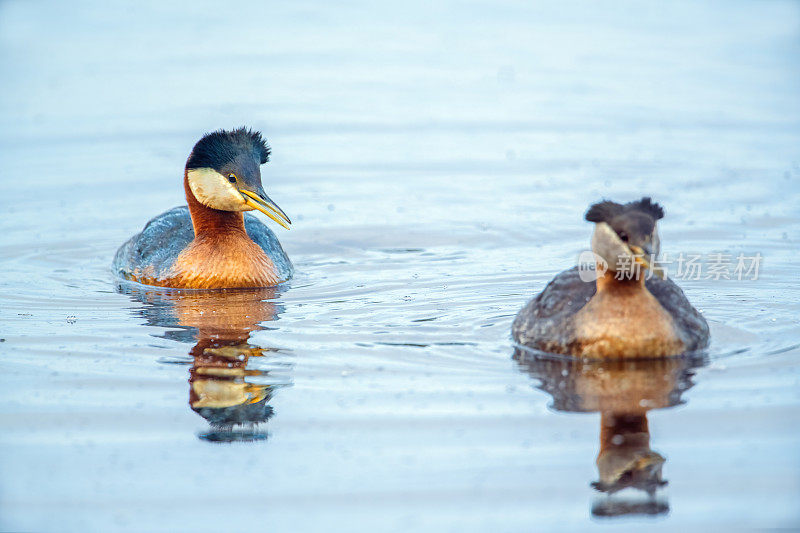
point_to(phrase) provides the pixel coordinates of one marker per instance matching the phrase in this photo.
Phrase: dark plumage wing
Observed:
(154, 250)
(266, 239)
(691, 325)
(544, 322)
(157, 246)
(545, 319)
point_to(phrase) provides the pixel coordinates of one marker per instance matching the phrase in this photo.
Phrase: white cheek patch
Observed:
(212, 189)
(610, 247)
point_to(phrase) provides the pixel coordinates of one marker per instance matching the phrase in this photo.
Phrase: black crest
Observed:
(606, 210)
(646, 205)
(603, 211)
(218, 148)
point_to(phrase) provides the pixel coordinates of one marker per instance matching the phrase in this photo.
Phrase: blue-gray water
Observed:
(436, 161)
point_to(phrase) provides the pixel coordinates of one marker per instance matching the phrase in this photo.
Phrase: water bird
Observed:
(211, 243)
(621, 311)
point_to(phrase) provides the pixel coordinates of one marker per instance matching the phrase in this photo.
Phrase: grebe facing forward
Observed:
(211, 244)
(625, 312)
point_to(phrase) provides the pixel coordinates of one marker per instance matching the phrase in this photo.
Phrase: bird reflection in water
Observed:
(231, 380)
(622, 391)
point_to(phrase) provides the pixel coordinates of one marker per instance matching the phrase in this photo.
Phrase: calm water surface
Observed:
(437, 162)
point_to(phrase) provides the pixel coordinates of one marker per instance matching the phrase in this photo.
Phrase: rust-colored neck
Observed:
(208, 222)
(609, 281)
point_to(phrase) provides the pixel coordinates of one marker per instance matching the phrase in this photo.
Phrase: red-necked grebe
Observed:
(210, 243)
(624, 313)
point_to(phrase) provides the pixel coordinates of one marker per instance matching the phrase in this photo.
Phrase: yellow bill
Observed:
(643, 259)
(268, 207)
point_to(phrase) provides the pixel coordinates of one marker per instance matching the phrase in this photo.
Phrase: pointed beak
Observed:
(260, 201)
(642, 257)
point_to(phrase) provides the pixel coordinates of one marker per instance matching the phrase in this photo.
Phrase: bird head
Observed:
(224, 172)
(626, 235)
